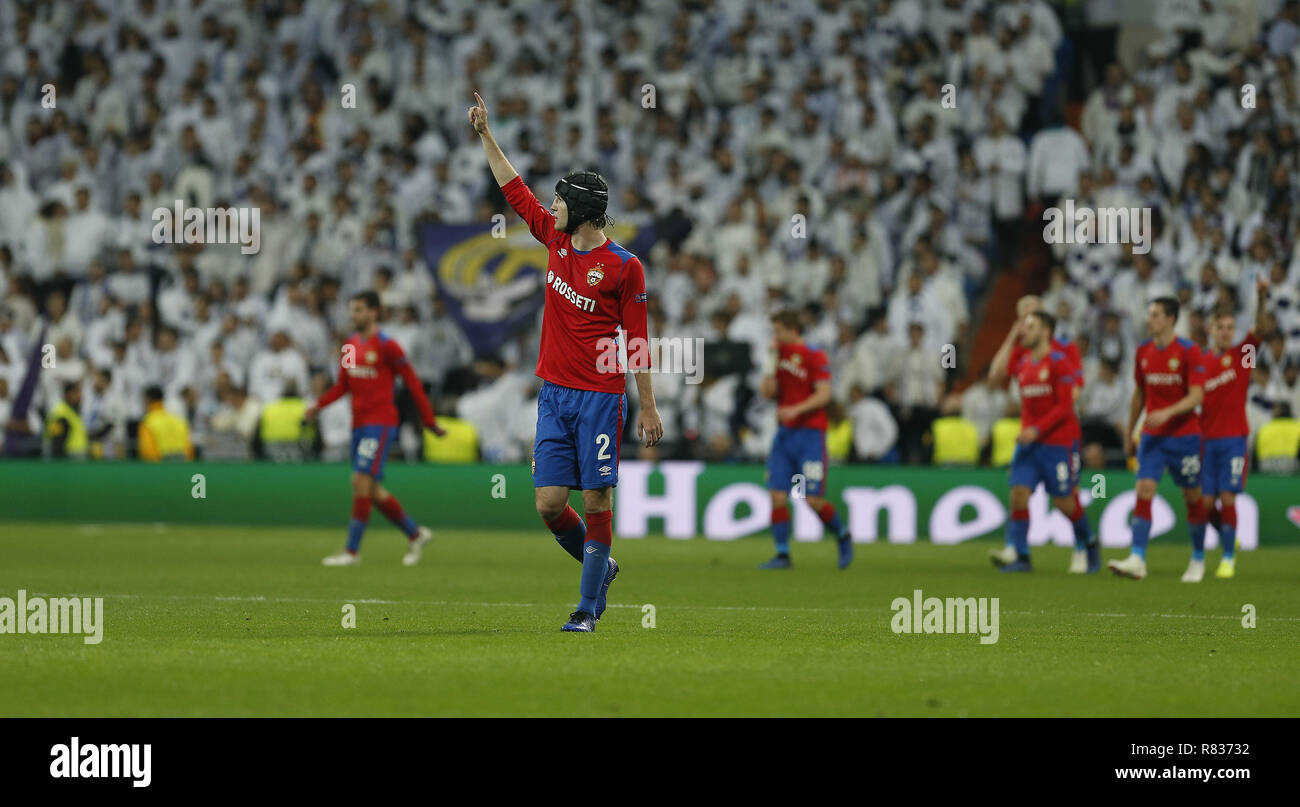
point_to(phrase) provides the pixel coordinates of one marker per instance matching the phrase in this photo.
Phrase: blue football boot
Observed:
(777, 562)
(604, 589)
(580, 622)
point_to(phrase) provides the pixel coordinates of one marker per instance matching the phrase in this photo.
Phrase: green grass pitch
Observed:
(245, 621)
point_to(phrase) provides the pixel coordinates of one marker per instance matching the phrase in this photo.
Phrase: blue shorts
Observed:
(1181, 455)
(579, 434)
(798, 451)
(1057, 467)
(370, 447)
(1223, 466)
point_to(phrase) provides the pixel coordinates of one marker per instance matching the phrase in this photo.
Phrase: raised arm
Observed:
(999, 369)
(539, 220)
(502, 170)
(1261, 299)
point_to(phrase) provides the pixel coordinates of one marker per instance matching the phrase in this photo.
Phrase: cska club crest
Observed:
(1173, 364)
(371, 357)
(1042, 374)
(596, 274)
(1226, 361)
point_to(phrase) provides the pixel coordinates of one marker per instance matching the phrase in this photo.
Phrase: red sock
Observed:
(1078, 508)
(1020, 515)
(1213, 516)
(1229, 515)
(1142, 509)
(564, 522)
(392, 509)
(361, 508)
(360, 515)
(826, 513)
(600, 527)
(780, 515)
(1196, 512)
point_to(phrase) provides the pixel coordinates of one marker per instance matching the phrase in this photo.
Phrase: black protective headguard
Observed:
(586, 195)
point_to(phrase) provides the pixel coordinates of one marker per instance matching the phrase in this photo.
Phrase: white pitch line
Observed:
(471, 604)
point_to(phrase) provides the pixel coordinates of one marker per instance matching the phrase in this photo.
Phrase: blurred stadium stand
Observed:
(827, 110)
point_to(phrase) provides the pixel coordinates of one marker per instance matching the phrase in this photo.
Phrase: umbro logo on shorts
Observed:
(591, 549)
(604, 470)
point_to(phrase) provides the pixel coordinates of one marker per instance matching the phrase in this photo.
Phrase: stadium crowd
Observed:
(872, 164)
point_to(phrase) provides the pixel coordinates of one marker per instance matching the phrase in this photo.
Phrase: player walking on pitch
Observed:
(593, 287)
(1224, 431)
(1047, 447)
(366, 368)
(1170, 376)
(799, 378)
(1086, 558)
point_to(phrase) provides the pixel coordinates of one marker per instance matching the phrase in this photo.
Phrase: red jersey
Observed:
(1047, 396)
(1071, 353)
(1165, 375)
(366, 370)
(589, 295)
(798, 369)
(1070, 349)
(1223, 412)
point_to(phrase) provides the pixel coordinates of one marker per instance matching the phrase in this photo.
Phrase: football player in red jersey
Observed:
(1169, 372)
(1086, 558)
(799, 378)
(1224, 429)
(367, 367)
(594, 287)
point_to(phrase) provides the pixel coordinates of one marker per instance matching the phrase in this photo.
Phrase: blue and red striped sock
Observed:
(1018, 533)
(1196, 528)
(392, 508)
(781, 529)
(569, 532)
(1228, 532)
(831, 519)
(1082, 530)
(595, 558)
(1141, 527)
(357, 524)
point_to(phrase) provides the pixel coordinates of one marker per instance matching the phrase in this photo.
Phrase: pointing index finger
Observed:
(478, 98)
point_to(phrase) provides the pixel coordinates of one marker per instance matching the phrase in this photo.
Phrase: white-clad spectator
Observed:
(1056, 156)
(983, 404)
(276, 369)
(63, 323)
(127, 282)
